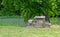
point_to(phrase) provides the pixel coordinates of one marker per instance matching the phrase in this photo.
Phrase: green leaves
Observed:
(38, 7)
(29, 8)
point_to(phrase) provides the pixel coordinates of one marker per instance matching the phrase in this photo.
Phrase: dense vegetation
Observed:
(29, 8)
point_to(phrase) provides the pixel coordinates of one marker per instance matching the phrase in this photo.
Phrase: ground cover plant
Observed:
(14, 31)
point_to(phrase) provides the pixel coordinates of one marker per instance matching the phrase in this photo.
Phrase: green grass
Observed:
(9, 28)
(55, 21)
(15, 31)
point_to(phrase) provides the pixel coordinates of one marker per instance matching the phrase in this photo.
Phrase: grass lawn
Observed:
(14, 31)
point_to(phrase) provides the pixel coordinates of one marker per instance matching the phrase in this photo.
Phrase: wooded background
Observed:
(29, 8)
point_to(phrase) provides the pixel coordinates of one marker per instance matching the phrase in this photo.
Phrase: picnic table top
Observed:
(37, 17)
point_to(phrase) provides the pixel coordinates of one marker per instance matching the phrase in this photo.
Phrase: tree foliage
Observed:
(29, 8)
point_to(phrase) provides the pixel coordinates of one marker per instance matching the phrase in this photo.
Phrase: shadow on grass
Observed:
(14, 25)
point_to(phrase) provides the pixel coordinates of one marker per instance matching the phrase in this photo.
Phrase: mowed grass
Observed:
(14, 31)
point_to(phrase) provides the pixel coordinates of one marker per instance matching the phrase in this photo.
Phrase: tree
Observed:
(37, 8)
(29, 8)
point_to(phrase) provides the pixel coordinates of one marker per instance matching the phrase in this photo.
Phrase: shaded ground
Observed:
(13, 31)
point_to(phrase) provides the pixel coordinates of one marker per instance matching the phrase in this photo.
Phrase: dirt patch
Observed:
(55, 26)
(52, 26)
